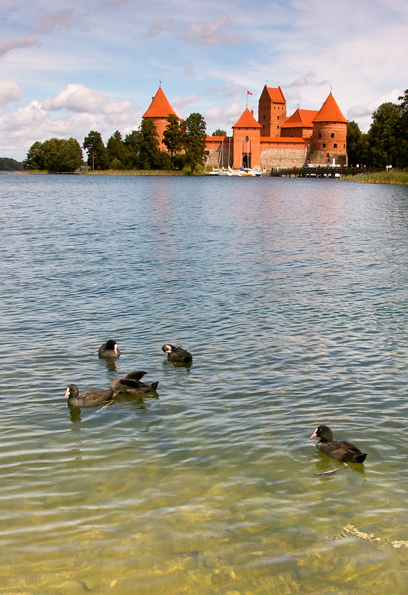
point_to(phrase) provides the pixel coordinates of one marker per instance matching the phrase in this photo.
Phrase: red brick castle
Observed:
(274, 140)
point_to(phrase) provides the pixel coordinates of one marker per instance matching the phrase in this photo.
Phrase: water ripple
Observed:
(291, 294)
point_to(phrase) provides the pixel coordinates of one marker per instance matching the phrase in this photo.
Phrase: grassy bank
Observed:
(395, 176)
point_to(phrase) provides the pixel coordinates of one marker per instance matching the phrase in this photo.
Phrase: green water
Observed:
(291, 295)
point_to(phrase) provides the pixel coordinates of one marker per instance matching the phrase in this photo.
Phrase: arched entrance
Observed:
(246, 160)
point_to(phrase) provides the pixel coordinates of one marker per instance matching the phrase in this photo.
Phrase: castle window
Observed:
(324, 145)
(278, 117)
(320, 135)
(246, 139)
(335, 146)
(332, 135)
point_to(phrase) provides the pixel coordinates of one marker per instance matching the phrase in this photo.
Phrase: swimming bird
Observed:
(341, 450)
(177, 355)
(90, 398)
(109, 349)
(131, 385)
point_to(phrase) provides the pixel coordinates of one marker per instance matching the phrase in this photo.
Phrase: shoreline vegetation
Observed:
(397, 176)
(394, 176)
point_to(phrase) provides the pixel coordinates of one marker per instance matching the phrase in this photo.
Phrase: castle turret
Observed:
(246, 147)
(329, 142)
(271, 111)
(158, 111)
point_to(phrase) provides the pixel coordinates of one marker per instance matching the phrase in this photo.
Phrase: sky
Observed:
(68, 67)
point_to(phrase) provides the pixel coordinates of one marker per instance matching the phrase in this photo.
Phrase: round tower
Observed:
(158, 111)
(329, 141)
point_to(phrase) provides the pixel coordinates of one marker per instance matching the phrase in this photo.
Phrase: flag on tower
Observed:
(249, 93)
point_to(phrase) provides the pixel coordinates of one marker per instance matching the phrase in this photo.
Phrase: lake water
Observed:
(292, 296)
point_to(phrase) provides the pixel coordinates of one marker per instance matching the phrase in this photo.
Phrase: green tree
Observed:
(116, 148)
(69, 156)
(148, 153)
(50, 150)
(357, 147)
(195, 140)
(132, 144)
(34, 159)
(55, 155)
(402, 158)
(383, 135)
(9, 164)
(219, 132)
(98, 157)
(173, 136)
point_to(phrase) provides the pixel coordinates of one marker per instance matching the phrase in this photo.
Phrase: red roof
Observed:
(273, 94)
(159, 107)
(276, 94)
(302, 118)
(330, 112)
(247, 120)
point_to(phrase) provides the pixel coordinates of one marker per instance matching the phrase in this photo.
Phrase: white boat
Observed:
(250, 172)
(234, 172)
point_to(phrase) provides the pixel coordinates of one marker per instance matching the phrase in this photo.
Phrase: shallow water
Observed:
(292, 296)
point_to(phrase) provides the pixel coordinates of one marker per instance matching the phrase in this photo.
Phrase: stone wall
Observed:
(326, 158)
(218, 156)
(283, 157)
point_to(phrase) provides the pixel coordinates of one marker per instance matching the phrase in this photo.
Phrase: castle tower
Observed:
(158, 111)
(246, 143)
(329, 142)
(271, 111)
(300, 124)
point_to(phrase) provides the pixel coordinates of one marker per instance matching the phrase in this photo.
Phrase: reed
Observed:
(395, 176)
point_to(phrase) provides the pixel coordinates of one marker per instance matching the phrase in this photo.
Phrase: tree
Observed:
(98, 157)
(173, 136)
(9, 164)
(55, 155)
(34, 159)
(357, 147)
(132, 144)
(383, 135)
(148, 153)
(116, 149)
(402, 158)
(69, 156)
(219, 132)
(194, 140)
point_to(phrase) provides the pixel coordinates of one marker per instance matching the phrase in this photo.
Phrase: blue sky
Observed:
(68, 67)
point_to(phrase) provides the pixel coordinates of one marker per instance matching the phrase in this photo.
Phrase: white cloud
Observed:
(78, 98)
(158, 27)
(230, 89)
(178, 104)
(7, 44)
(211, 33)
(360, 111)
(61, 19)
(307, 79)
(9, 91)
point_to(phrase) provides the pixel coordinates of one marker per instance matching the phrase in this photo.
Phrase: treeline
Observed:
(386, 142)
(185, 142)
(8, 164)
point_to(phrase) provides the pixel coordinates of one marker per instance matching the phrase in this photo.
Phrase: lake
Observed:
(292, 296)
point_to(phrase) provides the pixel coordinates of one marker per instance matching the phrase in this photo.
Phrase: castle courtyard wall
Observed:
(283, 156)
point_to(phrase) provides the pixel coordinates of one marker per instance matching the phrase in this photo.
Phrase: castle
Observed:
(274, 140)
